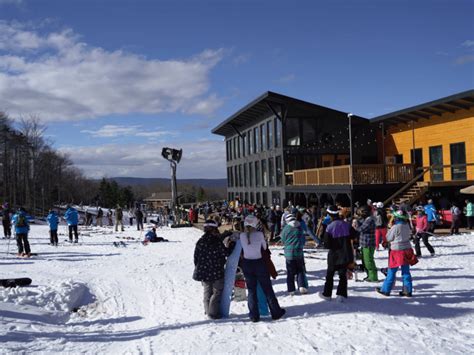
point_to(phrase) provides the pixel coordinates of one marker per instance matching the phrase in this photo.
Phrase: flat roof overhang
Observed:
(276, 103)
(451, 104)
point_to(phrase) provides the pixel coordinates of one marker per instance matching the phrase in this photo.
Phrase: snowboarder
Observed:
(22, 227)
(381, 223)
(421, 232)
(340, 255)
(209, 260)
(255, 270)
(6, 217)
(367, 242)
(118, 218)
(293, 239)
(401, 255)
(72, 218)
(53, 221)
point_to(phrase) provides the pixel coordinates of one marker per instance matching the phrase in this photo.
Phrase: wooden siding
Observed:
(442, 130)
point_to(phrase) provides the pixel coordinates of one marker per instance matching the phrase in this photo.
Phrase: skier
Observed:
(72, 218)
(255, 270)
(340, 255)
(300, 217)
(431, 215)
(381, 222)
(118, 218)
(139, 217)
(455, 218)
(210, 256)
(7, 228)
(53, 221)
(22, 227)
(367, 242)
(470, 214)
(98, 220)
(421, 232)
(401, 255)
(293, 239)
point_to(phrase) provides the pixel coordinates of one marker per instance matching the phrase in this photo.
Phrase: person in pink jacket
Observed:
(422, 232)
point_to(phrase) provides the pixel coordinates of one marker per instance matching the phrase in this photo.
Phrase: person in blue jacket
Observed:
(431, 215)
(53, 221)
(22, 227)
(72, 218)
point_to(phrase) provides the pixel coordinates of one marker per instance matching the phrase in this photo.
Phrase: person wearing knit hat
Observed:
(210, 257)
(293, 239)
(367, 242)
(340, 255)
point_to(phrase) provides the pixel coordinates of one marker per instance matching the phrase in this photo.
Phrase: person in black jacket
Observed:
(210, 256)
(338, 241)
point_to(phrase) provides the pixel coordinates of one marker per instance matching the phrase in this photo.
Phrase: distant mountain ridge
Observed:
(134, 181)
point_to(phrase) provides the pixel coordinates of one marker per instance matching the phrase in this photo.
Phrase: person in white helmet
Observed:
(255, 270)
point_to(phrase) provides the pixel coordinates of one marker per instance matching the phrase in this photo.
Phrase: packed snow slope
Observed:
(98, 298)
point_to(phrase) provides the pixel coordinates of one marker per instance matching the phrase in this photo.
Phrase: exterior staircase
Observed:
(413, 194)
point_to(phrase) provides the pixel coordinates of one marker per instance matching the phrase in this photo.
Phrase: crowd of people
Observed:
(347, 238)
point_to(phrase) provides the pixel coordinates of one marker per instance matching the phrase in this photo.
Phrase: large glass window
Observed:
(263, 137)
(279, 170)
(257, 198)
(227, 150)
(250, 142)
(271, 172)
(264, 199)
(250, 174)
(235, 147)
(230, 149)
(292, 132)
(238, 146)
(277, 132)
(458, 161)
(245, 175)
(264, 173)
(244, 144)
(241, 180)
(236, 177)
(269, 135)
(436, 159)
(257, 173)
(255, 140)
(229, 177)
(252, 198)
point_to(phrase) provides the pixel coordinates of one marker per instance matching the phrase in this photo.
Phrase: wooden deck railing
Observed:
(361, 175)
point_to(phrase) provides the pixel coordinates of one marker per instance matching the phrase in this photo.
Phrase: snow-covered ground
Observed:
(137, 299)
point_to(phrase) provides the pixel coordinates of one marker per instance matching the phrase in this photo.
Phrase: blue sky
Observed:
(114, 81)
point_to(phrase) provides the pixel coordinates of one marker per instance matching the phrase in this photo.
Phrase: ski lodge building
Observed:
(281, 149)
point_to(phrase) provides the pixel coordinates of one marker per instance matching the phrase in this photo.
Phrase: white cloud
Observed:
(113, 131)
(286, 79)
(468, 43)
(60, 78)
(203, 159)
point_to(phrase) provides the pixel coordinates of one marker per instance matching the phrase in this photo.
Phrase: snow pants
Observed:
(329, 284)
(71, 229)
(295, 268)
(53, 237)
(455, 224)
(256, 271)
(380, 236)
(390, 280)
(369, 263)
(117, 223)
(424, 237)
(7, 229)
(212, 297)
(22, 243)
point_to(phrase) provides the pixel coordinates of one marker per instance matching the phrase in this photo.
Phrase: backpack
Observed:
(21, 221)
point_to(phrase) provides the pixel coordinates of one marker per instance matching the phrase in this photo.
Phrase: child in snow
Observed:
(210, 257)
(401, 255)
(72, 218)
(22, 227)
(422, 232)
(255, 270)
(293, 239)
(53, 221)
(151, 237)
(340, 255)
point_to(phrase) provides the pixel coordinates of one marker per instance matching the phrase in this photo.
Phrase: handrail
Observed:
(408, 185)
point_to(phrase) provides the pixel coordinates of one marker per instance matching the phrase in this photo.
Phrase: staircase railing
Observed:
(408, 184)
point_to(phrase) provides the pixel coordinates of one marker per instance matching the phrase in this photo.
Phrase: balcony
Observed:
(359, 174)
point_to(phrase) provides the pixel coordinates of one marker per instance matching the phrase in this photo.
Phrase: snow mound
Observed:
(63, 296)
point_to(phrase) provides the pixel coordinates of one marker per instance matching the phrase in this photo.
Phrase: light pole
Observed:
(174, 157)
(349, 116)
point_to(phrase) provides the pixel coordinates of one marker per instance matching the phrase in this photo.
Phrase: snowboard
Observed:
(24, 281)
(229, 278)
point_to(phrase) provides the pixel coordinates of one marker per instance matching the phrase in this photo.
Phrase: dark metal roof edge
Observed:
(274, 95)
(429, 104)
